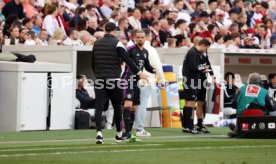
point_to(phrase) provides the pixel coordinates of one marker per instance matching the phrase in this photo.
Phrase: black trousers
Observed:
(106, 90)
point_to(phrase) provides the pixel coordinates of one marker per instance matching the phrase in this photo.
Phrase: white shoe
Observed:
(143, 133)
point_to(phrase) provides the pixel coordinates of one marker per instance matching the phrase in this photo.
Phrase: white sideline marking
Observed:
(78, 147)
(138, 150)
(108, 139)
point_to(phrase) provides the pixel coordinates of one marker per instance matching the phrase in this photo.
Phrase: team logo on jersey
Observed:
(137, 55)
(129, 96)
(145, 55)
(252, 91)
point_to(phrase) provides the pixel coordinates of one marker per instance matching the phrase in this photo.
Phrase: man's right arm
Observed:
(123, 54)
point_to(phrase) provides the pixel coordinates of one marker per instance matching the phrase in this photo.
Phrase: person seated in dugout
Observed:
(271, 87)
(86, 102)
(252, 96)
(230, 91)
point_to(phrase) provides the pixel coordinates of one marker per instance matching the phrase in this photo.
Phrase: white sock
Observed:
(99, 133)
(119, 134)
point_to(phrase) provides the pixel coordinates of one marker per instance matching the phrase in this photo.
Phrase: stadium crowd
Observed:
(227, 24)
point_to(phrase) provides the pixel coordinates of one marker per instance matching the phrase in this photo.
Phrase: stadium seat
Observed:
(253, 112)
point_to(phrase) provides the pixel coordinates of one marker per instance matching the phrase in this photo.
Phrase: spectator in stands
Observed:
(192, 4)
(164, 31)
(223, 31)
(171, 43)
(92, 25)
(86, 102)
(180, 39)
(28, 24)
(196, 40)
(14, 34)
(37, 23)
(200, 6)
(73, 39)
(233, 17)
(238, 6)
(249, 43)
(28, 7)
(115, 4)
(102, 25)
(42, 38)
(123, 27)
(61, 19)
(229, 41)
(242, 19)
(218, 42)
(155, 27)
(237, 40)
(115, 16)
(155, 13)
(272, 10)
(13, 7)
(57, 38)
(252, 96)
(106, 8)
(91, 11)
(181, 27)
(257, 13)
(262, 38)
(212, 5)
(80, 14)
(98, 10)
(182, 14)
(194, 30)
(134, 20)
(82, 24)
(30, 38)
(50, 22)
(23, 35)
(146, 18)
(249, 13)
(86, 38)
(144, 4)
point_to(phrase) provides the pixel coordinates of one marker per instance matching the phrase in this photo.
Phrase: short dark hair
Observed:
(179, 39)
(199, 3)
(79, 77)
(138, 31)
(228, 37)
(204, 42)
(147, 31)
(271, 76)
(217, 37)
(229, 75)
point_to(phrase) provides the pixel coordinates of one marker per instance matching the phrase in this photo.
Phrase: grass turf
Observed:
(165, 146)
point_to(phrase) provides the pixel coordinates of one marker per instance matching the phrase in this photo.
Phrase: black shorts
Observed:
(192, 93)
(132, 94)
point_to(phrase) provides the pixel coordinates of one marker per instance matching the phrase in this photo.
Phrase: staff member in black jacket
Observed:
(195, 67)
(107, 55)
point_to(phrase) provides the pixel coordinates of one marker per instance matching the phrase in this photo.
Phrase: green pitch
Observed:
(166, 146)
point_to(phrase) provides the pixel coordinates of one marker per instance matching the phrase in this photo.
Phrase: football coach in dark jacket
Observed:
(107, 55)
